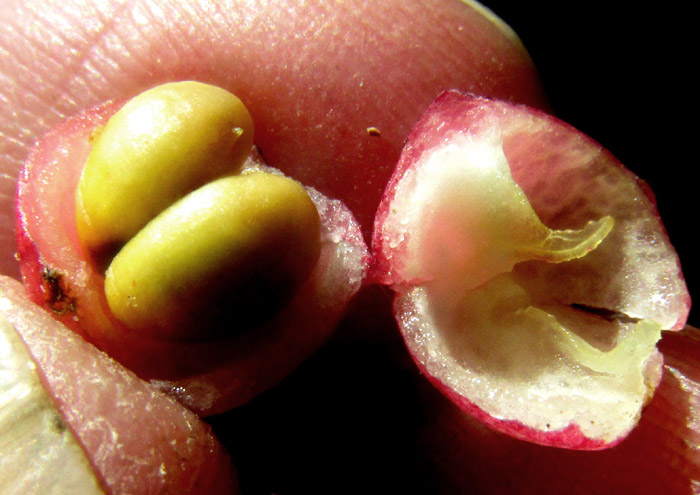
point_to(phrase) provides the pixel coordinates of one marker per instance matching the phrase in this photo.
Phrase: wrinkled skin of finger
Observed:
(333, 87)
(316, 78)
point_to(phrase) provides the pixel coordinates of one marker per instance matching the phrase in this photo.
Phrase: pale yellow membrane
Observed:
(502, 313)
(629, 352)
(480, 223)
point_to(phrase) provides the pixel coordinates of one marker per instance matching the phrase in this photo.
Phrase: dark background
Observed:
(625, 75)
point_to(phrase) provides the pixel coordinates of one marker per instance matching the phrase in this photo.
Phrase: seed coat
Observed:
(161, 145)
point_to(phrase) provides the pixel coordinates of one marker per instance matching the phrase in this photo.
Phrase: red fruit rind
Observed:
(628, 284)
(137, 439)
(207, 377)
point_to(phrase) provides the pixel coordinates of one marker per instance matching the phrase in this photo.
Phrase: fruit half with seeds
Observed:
(208, 273)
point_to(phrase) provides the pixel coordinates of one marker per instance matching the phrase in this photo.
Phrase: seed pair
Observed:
(203, 250)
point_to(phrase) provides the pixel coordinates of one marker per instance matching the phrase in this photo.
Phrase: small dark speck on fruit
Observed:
(605, 313)
(56, 293)
(95, 133)
(374, 132)
(58, 424)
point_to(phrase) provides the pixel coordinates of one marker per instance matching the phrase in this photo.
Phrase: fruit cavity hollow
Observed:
(463, 227)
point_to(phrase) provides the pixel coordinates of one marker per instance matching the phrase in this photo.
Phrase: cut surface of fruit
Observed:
(94, 419)
(208, 376)
(533, 275)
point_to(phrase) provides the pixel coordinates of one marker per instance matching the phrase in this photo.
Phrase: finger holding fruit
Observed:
(338, 127)
(314, 128)
(312, 97)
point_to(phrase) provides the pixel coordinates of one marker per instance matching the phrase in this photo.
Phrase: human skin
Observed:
(314, 75)
(70, 57)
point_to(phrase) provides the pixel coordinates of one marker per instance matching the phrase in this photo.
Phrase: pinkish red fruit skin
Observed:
(38, 274)
(447, 109)
(118, 418)
(571, 436)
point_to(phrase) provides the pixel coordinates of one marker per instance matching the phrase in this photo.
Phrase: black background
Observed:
(624, 74)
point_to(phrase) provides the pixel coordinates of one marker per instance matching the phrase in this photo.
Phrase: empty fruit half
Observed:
(533, 276)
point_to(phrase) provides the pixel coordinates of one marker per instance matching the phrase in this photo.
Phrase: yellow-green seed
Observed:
(161, 145)
(218, 261)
